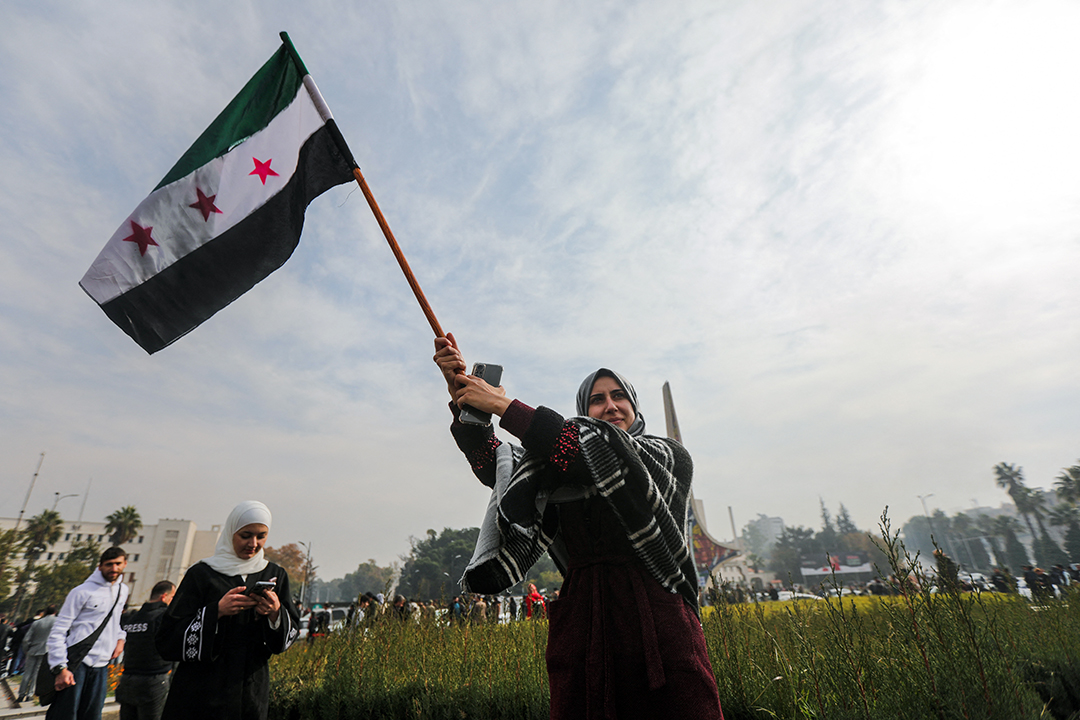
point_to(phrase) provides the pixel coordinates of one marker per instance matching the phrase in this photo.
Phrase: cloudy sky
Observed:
(846, 232)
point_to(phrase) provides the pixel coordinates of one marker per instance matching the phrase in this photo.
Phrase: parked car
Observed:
(327, 620)
(789, 595)
(836, 592)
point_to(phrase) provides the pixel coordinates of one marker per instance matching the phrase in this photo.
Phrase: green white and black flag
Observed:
(228, 214)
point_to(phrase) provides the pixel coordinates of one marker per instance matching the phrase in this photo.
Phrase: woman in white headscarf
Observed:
(222, 629)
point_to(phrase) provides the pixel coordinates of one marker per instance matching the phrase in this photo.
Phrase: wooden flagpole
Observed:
(424, 305)
(328, 118)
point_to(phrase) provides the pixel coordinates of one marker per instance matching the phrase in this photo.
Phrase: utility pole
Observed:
(29, 490)
(15, 532)
(307, 565)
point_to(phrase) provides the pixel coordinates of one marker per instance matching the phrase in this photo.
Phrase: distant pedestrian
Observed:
(479, 611)
(6, 629)
(400, 608)
(457, 611)
(34, 646)
(16, 649)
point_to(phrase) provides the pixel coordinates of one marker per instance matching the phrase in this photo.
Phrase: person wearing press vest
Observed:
(84, 639)
(145, 683)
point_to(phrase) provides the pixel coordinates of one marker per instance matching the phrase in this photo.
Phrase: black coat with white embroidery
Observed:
(223, 661)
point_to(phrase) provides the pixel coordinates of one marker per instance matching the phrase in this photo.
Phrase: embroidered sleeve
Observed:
(188, 628)
(279, 637)
(553, 437)
(478, 443)
(193, 637)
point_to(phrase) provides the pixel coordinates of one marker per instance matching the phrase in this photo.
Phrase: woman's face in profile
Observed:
(249, 540)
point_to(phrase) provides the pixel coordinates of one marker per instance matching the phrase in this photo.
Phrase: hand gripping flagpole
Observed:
(328, 118)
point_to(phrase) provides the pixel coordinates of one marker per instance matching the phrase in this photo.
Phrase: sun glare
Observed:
(989, 130)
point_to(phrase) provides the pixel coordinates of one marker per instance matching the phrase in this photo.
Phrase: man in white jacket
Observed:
(98, 602)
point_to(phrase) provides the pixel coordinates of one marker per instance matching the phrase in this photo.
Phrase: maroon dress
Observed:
(620, 646)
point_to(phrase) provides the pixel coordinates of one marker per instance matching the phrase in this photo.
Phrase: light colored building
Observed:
(737, 569)
(159, 552)
(768, 528)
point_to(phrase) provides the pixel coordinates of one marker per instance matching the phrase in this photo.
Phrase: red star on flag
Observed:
(141, 237)
(205, 204)
(262, 169)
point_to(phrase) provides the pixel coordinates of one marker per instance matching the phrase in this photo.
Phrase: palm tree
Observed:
(1011, 479)
(1012, 554)
(1047, 552)
(1068, 484)
(1016, 556)
(1067, 515)
(966, 529)
(41, 531)
(123, 525)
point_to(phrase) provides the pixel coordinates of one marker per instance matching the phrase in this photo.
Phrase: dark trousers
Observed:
(83, 701)
(142, 697)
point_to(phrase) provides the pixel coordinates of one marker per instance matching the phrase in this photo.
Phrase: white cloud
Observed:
(744, 200)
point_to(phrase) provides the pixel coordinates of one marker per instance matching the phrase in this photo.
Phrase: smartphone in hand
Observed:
(262, 586)
(492, 375)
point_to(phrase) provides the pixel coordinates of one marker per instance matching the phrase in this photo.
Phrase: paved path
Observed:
(30, 710)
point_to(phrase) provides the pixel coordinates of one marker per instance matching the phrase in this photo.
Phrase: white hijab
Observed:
(225, 560)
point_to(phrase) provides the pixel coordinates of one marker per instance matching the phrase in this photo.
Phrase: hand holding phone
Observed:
(262, 586)
(492, 375)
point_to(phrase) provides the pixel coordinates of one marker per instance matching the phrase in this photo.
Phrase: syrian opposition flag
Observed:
(230, 211)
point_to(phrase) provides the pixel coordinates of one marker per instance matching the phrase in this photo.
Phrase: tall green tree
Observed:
(757, 545)
(40, 532)
(436, 563)
(1010, 478)
(1067, 515)
(1016, 556)
(844, 524)
(1067, 484)
(794, 544)
(53, 582)
(987, 526)
(123, 525)
(368, 577)
(292, 559)
(9, 546)
(968, 545)
(827, 535)
(917, 536)
(1012, 555)
(1047, 552)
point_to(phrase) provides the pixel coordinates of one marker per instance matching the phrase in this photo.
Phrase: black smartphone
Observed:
(262, 586)
(492, 375)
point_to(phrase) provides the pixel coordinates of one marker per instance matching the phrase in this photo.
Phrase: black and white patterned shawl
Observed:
(645, 479)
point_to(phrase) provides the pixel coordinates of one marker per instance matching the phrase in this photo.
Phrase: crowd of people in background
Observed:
(1034, 583)
(466, 608)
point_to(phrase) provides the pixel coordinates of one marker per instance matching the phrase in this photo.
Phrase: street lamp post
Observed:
(945, 540)
(922, 499)
(307, 564)
(60, 497)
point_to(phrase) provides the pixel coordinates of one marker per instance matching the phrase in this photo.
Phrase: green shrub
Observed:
(920, 654)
